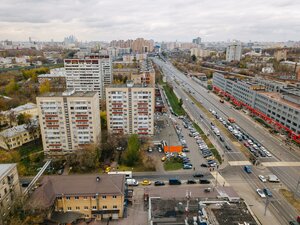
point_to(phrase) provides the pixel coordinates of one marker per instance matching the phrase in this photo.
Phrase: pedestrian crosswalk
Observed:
(239, 163)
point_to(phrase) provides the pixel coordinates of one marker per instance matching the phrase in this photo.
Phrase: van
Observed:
(174, 181)
(132, 182)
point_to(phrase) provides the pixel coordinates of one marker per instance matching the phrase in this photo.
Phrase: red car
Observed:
(246, 144)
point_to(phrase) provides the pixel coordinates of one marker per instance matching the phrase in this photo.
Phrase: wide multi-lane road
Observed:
(288, 175)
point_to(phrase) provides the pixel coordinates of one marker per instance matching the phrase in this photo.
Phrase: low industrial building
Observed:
(281, 105)
(9, 188)
(16, 136)
(80, 196)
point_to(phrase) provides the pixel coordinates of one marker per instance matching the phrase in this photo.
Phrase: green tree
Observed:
(132, 155)
(23, 118)
(194, 58)
(45, 87)
(11, 87)
(180, 102)
(103, 120)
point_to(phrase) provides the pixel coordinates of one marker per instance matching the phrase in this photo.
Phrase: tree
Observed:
(132, 155)
(11, 87)
(45, 87)
(103, 120)
(23, 118)
(180, 102)
(194, 58)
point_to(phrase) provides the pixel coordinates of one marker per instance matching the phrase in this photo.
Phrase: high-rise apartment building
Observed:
(9, 188)
(68, 121)
(130, 109)
(197, 40)
(234, 52)
(92, 73)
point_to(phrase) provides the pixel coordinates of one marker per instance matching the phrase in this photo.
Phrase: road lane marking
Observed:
(278, 164)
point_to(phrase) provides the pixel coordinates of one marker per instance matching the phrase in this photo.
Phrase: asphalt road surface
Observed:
(288, 175)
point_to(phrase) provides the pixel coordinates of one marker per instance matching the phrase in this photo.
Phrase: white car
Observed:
(260, 193)
(262, 178)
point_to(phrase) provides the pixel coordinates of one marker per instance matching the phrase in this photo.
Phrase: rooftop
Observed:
(77, 185)
(132, 85)
(276, 96)
(10, 132)
(5, 168)
(24, 107)
(70, 93)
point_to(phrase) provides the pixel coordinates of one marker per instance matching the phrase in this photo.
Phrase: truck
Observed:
(132, 182)
(273, 178)
(248, 169)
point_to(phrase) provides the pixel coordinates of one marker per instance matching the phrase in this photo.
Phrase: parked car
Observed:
(198, 175)
(190, 181)
(204, 181)
(187, 166)
(146, 182)
(204, 165)
(174, 181)
(159, 183)
(185, 150)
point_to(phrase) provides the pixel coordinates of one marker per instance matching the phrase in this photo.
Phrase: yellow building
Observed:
(90, 196)
(17, 136)
(9, 188)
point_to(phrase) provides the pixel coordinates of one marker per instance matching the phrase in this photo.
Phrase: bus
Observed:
(128, 174)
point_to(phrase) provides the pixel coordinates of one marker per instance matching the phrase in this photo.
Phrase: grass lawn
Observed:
(29, 157)
(177, 108)
(139, 168)
(172, 164)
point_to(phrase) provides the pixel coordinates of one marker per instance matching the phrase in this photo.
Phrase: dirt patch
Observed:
(289, 196)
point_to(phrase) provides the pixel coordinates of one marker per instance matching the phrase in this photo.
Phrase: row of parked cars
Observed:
(203, 148)
(254, 147)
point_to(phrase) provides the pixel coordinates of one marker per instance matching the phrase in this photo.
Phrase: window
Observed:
(68, 198)
(86, 207)
(94, 207)
(114, 196)
(85, 198)
(76, 197)
(59, 198)
(115, 207)
(104, 196)
(104, 207)
(77, 208)
(69, 209)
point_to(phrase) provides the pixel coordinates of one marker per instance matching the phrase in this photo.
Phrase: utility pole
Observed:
(298, 184)
(267, 204)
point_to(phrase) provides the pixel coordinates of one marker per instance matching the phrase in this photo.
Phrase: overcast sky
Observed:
(169, 20)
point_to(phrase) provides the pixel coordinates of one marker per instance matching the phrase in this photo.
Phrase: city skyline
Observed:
(158, 20)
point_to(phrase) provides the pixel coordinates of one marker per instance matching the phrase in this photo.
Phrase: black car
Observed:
(185, 150)
(159, 183)
(190, 181)
(227, 147)
(204, 181)
(25, 184)
(204, 165)
(221, 139)
(198, 175)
